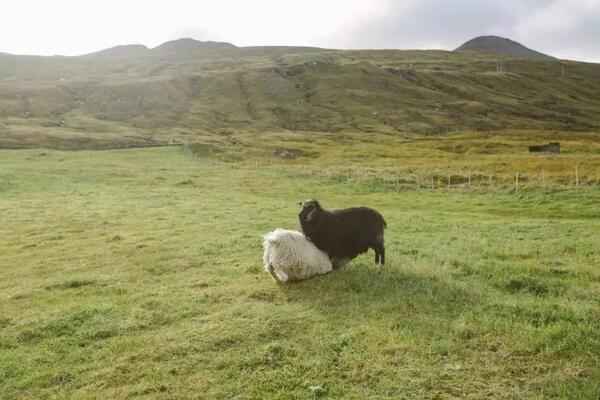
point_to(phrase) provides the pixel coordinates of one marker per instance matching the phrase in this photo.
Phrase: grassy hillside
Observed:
(157, 96)
(137, 273)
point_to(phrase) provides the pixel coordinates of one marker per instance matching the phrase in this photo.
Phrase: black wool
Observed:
(346, 233)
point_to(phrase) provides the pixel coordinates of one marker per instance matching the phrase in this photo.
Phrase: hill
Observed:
(187, 44)
(131, 50)
(181, 47)
(503, 46)
(181, 90)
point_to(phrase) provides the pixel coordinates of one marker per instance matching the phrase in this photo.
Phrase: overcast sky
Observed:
(562, 28)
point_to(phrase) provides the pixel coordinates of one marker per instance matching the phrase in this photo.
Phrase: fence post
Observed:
(543, 179)
(432, 183)
(449, 180)
(517, 182)
(577, 175)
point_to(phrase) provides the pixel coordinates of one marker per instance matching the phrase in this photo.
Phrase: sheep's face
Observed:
(309, 211)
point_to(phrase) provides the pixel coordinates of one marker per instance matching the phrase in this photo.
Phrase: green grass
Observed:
(137, 274)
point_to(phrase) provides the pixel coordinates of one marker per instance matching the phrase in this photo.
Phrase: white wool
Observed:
(290, 256)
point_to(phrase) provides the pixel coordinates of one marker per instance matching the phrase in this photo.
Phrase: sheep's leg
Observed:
(279, 276)
(378, 246)
(379, 254)
(283, 277)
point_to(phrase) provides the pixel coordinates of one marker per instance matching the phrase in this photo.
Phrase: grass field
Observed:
(137, 274)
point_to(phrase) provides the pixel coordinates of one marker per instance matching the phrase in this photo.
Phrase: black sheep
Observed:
(343, 234)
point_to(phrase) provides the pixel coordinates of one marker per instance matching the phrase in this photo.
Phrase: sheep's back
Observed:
(292, 252)
(348, 232)
(359, 218)
(295, 245)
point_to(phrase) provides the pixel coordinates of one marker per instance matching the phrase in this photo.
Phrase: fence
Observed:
(389, 179)
(461, 180)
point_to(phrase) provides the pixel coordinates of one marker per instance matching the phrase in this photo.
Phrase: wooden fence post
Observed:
(517, 182)
(543, 179)
(577, 175)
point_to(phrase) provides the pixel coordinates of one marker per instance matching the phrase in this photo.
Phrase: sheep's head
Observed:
(310, 210)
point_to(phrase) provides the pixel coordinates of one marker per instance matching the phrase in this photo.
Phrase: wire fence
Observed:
(458, 180)
(579, 176)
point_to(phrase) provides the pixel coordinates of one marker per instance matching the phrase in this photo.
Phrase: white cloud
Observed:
(567, 28)
(75, 27)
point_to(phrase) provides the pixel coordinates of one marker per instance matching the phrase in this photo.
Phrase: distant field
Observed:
(137, 273)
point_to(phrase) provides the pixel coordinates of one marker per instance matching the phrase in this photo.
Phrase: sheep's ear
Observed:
(311, 215)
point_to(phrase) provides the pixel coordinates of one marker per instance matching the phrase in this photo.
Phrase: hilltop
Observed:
(133, 95)
(188, 44)
(179, 46)
(130, 50)
(502, 46)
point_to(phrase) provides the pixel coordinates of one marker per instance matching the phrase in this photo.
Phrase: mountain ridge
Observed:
(189, 43)
(171, 46)
(182, 95)
(487, 44)
(120, 51)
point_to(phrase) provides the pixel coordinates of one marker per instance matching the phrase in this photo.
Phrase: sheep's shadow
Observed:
(364, 289)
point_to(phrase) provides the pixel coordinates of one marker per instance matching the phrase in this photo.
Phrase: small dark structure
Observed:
(288, 154)
(553, 148)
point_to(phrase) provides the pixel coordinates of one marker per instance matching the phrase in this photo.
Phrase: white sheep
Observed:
(290, 256)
